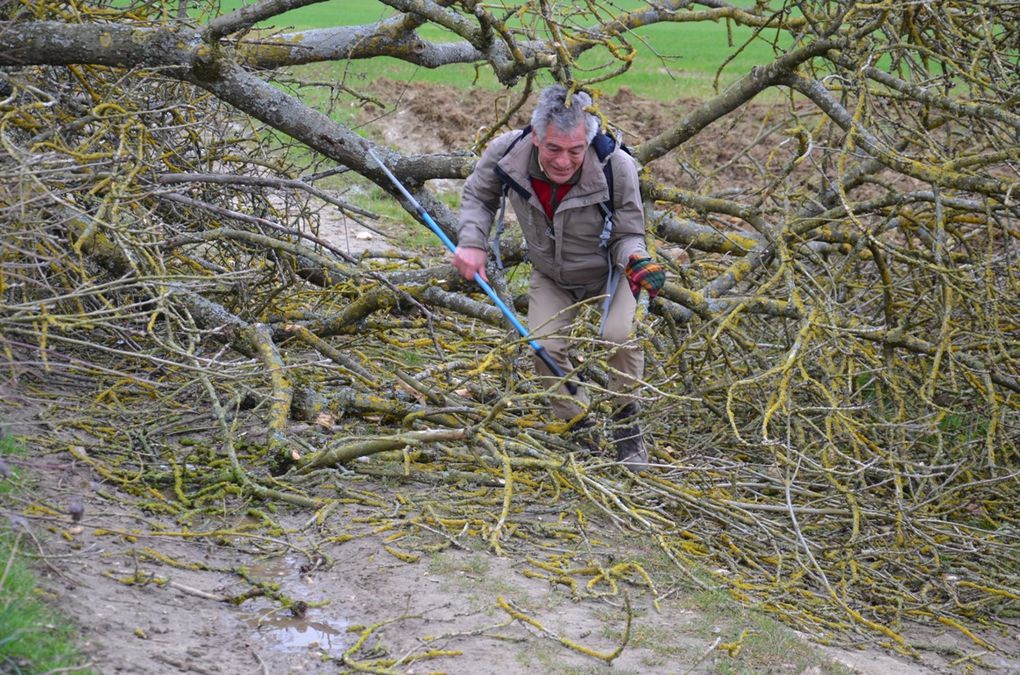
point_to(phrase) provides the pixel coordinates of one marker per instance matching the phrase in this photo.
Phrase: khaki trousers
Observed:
(551, 312)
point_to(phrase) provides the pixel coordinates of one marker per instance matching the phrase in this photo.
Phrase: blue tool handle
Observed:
(540, 351)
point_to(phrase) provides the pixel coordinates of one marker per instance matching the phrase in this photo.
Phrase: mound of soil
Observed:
(427, 118)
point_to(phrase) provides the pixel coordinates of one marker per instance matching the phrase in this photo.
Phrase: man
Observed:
(558, 185)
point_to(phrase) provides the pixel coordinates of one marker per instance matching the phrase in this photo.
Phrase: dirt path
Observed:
(142, 607)
(154, 592)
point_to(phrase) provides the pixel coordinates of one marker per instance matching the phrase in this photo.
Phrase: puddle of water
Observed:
(284, 632)
(273, 570)
(292, 634)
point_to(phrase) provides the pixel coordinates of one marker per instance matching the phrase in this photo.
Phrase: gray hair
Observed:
(552, 109)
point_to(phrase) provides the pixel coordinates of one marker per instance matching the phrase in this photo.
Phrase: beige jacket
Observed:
(565, 249)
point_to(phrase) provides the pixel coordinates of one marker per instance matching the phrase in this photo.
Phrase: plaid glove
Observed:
(644, 273)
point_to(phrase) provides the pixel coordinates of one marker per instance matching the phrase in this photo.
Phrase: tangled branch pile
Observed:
(832, 385)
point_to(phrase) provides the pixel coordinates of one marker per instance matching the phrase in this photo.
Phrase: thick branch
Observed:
(249, 15)
(362, 447)
(55, 43)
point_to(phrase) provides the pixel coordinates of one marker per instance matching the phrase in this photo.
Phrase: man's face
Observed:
(560, 153)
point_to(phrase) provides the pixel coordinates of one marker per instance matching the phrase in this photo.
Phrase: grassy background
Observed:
(674, 59)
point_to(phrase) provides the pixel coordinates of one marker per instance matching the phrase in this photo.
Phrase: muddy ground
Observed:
(152, 593)
(156, 592)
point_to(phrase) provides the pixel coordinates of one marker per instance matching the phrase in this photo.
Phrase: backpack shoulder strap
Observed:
(604, 145)
(504, 179)
(507, 183)
(524, 132)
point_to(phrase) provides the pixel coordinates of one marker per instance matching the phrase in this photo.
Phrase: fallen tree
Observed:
(833, 365)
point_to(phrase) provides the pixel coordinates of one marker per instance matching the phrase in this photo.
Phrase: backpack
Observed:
(604, 145)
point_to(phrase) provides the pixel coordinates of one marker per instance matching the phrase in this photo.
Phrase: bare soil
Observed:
(155, 592)
(152, 593)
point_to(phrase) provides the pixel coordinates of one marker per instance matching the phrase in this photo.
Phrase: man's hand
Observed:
(470, 260)
(645, 273)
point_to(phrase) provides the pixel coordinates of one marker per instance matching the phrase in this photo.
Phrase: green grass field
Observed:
(674, 59)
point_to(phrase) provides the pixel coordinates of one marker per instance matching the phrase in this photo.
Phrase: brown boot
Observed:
(630, 446)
